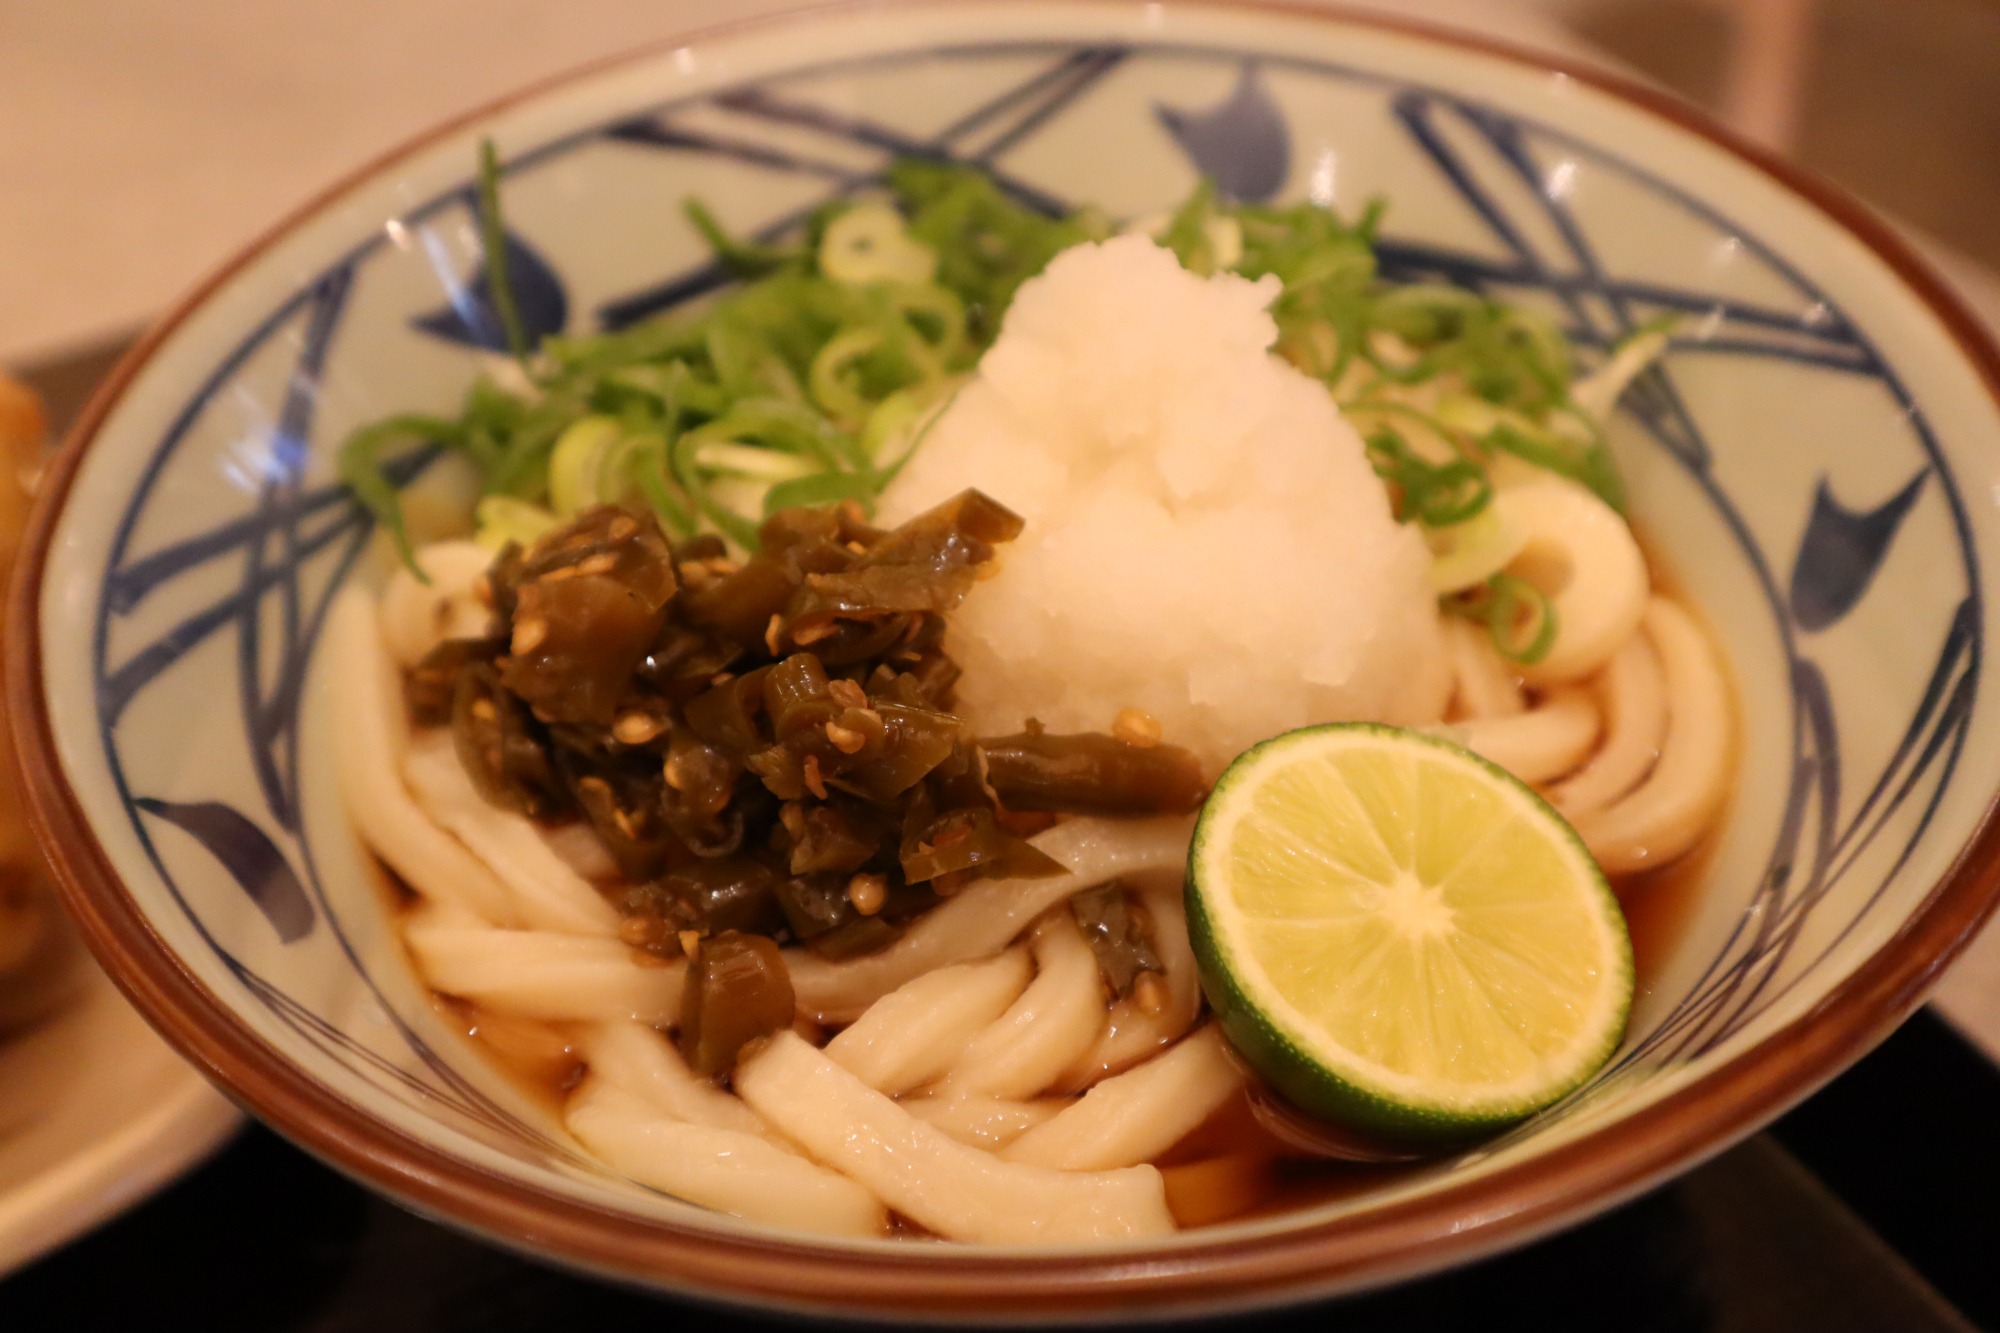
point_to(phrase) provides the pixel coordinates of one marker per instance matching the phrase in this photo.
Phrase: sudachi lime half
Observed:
(1400, 936)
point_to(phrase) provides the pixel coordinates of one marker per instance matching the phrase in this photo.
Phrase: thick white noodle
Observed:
(1542, 744)
(417, 617)
(549, 894)
(1634, 697)
(370, 735)
(956, 1191)
(984, 1122)
(1048, 1029)
(579, 848)
(1597, 393)
(724, 1169)
(985, 918)
(1139, 1114)
(542, 974)
(1131, 1033)
(1483, 685)
(1668, 812)
(1583, 556)
(912, 1035)
(643, 1061)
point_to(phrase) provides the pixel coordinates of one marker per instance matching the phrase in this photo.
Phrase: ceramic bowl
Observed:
(1815, 461)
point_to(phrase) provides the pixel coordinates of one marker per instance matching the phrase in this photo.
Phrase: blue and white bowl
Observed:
(1816, 461)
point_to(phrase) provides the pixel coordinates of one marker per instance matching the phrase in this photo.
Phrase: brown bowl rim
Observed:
(1510, 1207)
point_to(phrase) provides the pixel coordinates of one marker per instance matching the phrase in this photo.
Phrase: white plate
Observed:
(96, 1113)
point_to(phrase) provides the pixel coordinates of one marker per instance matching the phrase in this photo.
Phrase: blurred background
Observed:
(141, 142)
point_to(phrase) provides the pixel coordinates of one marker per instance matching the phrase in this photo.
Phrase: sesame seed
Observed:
(602, 563)
(868, 893)
(636, 728)
(771, 629)
(1149, 993)
(1137, 727)
(690, 942)
(793, 817)
(528, 635)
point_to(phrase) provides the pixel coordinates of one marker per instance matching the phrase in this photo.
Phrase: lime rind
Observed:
(1296, 1054)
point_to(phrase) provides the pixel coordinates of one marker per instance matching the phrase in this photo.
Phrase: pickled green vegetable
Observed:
(1112, 925)
(737, 990)
(431, 685)
(1091, 774)
(582, 606)
(507, 758)
(739, 781)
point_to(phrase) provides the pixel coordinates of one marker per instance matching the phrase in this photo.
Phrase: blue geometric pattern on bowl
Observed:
(295, 543)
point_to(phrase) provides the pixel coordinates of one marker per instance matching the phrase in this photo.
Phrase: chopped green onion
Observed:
(743, 259)
(868, 243)
(359, 465)
(502, 519)
(1467, 554)
(683, 459)
(1518, 615)
(577, 464)
(941, 306)
(493, 244)
(929, 418)
(1436, 495)
(746, 460)
(1590, 465)
(1187, 232)
(827, 378)
(819, 489)
(1596, 393)
(644, 458)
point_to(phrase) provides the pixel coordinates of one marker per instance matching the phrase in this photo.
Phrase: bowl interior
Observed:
(1807, 463)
